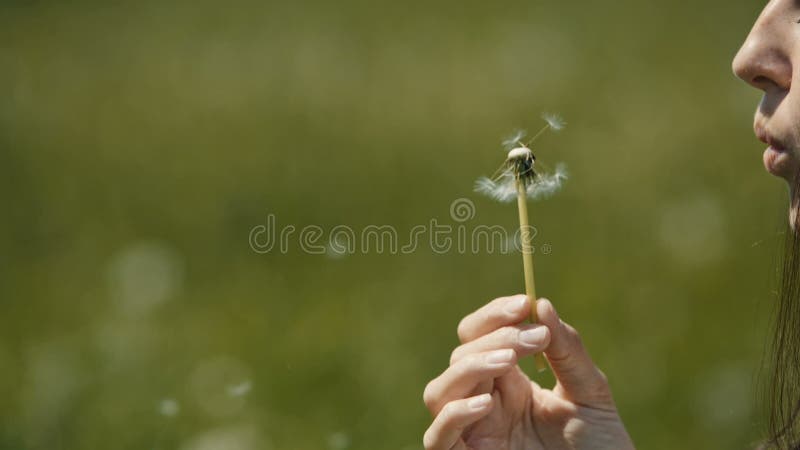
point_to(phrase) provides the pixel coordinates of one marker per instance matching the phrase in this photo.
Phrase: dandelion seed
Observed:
(514, 139)
(555, 121)
(501, 191)
(547, 184)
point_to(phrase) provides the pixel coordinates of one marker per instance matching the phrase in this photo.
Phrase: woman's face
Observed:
(770, 61)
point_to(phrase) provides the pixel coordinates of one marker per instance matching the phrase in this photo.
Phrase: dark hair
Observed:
(783, 390)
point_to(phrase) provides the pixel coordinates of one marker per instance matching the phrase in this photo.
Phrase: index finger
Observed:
(496, 314)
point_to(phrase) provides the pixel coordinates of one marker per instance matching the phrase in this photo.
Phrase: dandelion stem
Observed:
(527, 261)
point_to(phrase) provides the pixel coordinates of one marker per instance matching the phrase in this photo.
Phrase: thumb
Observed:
(579, 379)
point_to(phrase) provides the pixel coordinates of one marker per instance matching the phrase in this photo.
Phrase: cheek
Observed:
(792, 118)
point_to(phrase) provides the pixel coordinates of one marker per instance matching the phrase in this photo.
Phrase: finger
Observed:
(514, 389)
(524, 339)
(463, 377)
(495, 314)
(580, 380)
(446, 429)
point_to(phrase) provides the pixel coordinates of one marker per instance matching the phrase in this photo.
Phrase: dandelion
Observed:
(521, 178)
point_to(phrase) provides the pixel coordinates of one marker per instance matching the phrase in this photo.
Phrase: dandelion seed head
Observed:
(555, 121)
(513, 140)
(520, 153)
(518, 170)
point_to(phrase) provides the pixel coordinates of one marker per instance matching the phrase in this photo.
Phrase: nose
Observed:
(763, 60)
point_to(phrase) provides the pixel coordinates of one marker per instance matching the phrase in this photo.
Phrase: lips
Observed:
(777, 159)
(769, 139)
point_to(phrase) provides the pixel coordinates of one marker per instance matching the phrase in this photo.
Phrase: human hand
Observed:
(484, 401)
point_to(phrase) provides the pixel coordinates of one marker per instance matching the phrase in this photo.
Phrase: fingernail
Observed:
(500, 357)
(480, 402)
(516, 306)
(533, 336)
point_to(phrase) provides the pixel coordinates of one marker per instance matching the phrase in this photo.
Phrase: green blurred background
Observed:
(141, 142)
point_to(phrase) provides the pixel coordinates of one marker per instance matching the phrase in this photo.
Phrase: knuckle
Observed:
(447, 411)
(496, 308)
(600, 391)
(578, 340)
(429, 440)
(467, 364)
(509, 335)
(575, 339)
(571, 331)
(455, 355)
(601, 386)
(487, 314)
(462, 331)
(428, 396)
